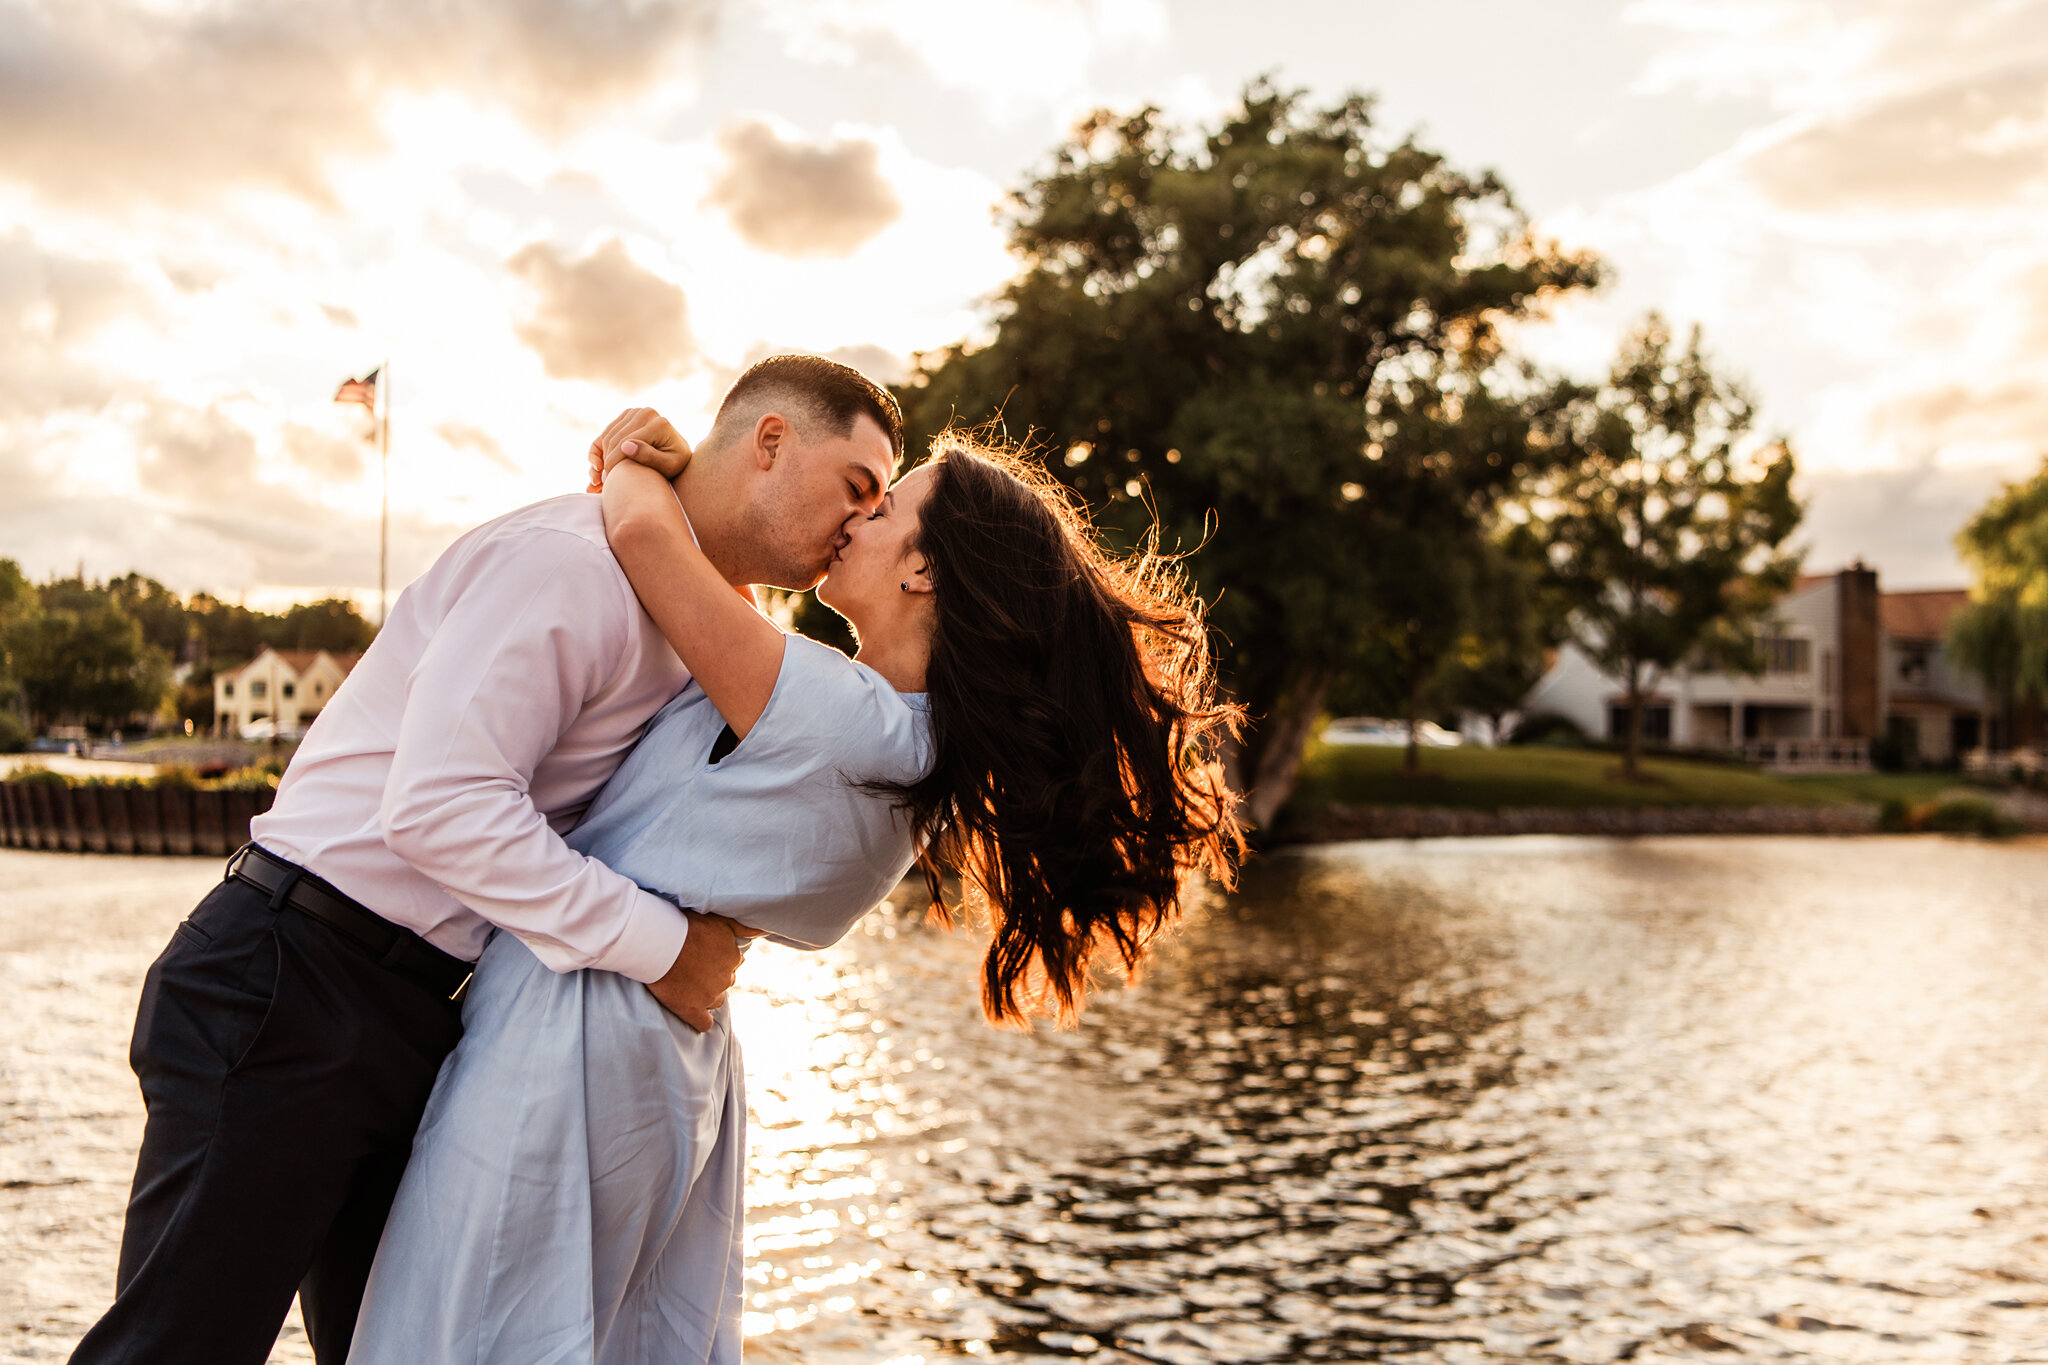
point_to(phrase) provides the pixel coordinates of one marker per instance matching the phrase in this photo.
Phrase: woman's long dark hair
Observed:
(1076, 786)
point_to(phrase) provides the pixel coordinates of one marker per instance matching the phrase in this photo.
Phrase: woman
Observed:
(1023, 711)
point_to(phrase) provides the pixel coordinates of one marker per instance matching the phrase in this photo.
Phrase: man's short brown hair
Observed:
(819, 392)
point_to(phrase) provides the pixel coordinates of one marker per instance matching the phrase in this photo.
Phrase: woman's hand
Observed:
(643, 436)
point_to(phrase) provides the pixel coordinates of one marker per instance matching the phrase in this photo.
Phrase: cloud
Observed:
(1962, 414)
(1980, 140)
(330, 459)
(1904, 521)
(201, 455)
(877, 363)
(114, 100)
(603, 317)
(1006, 53)
(49, 304)
(462, 436)
(796, 199)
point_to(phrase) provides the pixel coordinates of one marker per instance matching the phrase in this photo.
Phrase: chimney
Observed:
(1862, 651)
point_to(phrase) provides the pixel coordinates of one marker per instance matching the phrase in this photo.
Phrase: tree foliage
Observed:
(1516, 619)
(1663, 528)
(2003, 634)
(1213, 326)
(81, 659)
(103, 654)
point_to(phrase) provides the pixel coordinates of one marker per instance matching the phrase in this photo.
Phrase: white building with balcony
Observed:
(287, 687)
(1845, 664)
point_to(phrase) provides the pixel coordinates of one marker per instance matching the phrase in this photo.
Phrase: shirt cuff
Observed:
(647, 947)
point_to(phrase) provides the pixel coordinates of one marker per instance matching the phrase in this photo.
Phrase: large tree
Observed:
(1664, 522)
(1202, 326)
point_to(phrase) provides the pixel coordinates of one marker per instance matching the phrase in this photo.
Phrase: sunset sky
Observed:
(211, 214)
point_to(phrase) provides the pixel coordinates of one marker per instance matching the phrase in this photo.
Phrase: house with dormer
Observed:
(1847, 666)
(287, 687)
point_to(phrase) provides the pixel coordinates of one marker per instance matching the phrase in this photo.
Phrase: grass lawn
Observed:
(1489, 779)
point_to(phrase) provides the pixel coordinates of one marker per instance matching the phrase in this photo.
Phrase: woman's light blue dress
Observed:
(576, 1190)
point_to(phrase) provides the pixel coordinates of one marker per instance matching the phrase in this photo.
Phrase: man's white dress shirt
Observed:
(436, 785)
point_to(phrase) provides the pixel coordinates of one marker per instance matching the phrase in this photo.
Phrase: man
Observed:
(289, 1034)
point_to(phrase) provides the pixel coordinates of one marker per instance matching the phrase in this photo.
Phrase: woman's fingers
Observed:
(643, 436)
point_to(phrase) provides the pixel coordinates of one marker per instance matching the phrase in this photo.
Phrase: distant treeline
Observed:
(131, 652)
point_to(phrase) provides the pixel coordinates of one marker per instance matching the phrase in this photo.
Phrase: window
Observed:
(258, 690)
(1787, 654)
(287, 691)
(1913, 666)
(318, 688)
(227, 689)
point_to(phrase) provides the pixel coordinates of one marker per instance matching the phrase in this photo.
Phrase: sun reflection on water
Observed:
(1489, 1102)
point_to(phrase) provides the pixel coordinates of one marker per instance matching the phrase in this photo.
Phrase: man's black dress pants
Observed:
(284, 1072)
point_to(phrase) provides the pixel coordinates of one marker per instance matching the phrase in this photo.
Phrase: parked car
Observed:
(1388, 733)
(264, 728)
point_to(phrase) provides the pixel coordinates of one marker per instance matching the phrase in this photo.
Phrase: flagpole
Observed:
(384, 509)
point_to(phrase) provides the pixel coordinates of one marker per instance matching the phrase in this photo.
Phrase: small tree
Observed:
(1662, 526)
(1449, 439)
(2002, 635)
(87, 661)
(1513, 625)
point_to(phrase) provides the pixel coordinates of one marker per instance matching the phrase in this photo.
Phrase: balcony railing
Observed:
(1809, 755)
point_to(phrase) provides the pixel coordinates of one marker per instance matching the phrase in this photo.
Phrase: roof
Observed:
(1920, 615)
(299, 660)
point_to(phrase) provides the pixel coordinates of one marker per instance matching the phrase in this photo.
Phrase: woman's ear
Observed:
(920, 579)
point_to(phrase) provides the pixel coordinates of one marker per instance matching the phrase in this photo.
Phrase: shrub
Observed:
(1547, 727)
(255, 778)
(1969, 815)
(1956, 815)
(14, 735)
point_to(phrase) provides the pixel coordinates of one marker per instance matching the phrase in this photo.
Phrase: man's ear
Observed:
(771, 435)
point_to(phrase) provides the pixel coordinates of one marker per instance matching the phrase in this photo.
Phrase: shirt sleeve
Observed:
(532, 635)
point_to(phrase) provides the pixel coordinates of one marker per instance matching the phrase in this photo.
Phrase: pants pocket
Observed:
(206, 997)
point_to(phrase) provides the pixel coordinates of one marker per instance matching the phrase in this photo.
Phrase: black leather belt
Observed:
(396, 949)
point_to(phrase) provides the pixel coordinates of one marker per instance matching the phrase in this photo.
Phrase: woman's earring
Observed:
(904, 586)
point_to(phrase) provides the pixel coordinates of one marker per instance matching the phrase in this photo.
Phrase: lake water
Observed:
(1460, 1101)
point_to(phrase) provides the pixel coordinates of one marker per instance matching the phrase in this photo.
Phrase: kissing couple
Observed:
(446, 1052)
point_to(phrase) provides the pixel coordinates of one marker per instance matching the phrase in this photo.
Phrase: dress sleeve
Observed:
(532, 637)
(828, 714)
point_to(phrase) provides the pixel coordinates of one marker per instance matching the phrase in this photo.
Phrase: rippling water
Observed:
(1466, 1101)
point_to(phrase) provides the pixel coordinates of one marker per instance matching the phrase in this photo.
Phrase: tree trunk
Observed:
(1264, 765)
(1411, 758)
(1632, 753)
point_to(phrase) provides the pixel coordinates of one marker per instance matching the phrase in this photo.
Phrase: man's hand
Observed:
(704, 970)
(653, 442)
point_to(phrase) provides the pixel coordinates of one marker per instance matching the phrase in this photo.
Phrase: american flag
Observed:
(362, 390)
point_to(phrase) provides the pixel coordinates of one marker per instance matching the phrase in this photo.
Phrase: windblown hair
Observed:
(1075, 787)
(813, 392)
